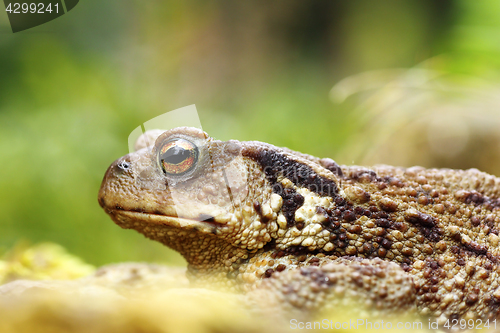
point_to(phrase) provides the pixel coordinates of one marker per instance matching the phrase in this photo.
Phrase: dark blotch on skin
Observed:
(489, 221)
(367, 248)
(322, 211)
(393, 181)
(386, 244)
(492, 258)
(331, 165)
(433, 264)
(426, 224)
(477, 198)
(280, 267)
(421, 219)
(313, 260)
(472, 248)
(432, 235)
(471, 299)
(258, 209)
(291, 202)
(298, 251)
(268, 272)
(365, 176)
(476, 248)
(270, 246)
(384, 223)
(406, 267)
(349, 216)
(275, 164)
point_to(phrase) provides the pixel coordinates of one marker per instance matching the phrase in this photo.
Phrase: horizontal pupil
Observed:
(175, 155)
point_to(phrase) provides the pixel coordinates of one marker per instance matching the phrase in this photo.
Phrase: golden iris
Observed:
(178, 156)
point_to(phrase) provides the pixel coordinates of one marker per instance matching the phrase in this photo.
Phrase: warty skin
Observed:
(303, 232)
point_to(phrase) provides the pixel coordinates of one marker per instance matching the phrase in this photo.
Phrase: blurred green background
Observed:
(415, 82)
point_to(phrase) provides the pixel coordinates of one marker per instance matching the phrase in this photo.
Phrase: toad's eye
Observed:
(178, 156)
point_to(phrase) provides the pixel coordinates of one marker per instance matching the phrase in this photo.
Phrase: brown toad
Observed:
(304, 232)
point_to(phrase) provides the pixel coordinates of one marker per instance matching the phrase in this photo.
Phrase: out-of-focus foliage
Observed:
(423, 117)
(71, 90)
(45, 261)
(153, 298)
(101, 310)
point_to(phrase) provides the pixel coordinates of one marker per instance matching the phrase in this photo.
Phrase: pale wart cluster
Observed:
(311, 233)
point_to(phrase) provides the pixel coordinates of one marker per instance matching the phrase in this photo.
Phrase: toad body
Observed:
(304, 233)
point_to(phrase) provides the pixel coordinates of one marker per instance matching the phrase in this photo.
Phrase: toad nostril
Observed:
(124, 165)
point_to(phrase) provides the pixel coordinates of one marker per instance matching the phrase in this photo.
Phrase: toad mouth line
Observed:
(173, 221)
